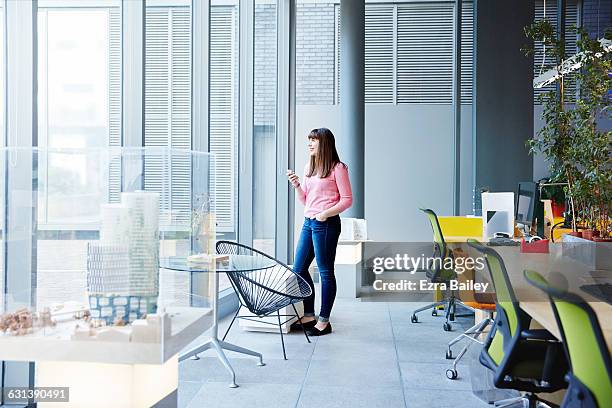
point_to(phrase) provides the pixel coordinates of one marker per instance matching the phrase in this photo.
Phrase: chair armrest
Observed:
(538, 334)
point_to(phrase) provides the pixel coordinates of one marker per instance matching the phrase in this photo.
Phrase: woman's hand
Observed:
(293, 178)
(321, 217)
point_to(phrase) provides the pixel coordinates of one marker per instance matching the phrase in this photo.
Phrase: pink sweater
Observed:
(320, 194)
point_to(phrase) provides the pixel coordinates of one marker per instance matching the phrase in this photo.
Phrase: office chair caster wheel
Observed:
(451, 374)
(447, 326)
(414, 319)
(449, 355)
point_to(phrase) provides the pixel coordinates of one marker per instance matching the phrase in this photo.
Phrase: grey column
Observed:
(351, 139)
(503, 96)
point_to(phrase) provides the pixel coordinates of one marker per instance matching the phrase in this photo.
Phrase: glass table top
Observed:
(225, 263)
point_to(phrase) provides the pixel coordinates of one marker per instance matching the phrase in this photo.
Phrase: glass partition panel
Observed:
(264, 126)
(103, 282)
(2, 139)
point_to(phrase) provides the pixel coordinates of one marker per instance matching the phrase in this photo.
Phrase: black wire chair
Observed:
(264, 285)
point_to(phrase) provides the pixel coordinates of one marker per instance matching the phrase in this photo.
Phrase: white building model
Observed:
(123, 267)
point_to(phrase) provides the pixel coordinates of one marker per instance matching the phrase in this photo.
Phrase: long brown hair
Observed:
(327, 155)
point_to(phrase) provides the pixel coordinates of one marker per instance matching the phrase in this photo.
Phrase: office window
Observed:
(168, 107)
(264, 126)
(79, 106)
(2, 143)
(542, 59)
(79, 101)
(2, 75)
(223, 136)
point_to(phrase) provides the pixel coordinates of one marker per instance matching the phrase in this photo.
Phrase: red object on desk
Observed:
(535, 247)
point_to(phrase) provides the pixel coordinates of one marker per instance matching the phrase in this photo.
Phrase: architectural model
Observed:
(123, 266)
(148, 330)
(23, 321)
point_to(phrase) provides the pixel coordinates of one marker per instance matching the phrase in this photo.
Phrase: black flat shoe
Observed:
(307, 325)
(316, 332)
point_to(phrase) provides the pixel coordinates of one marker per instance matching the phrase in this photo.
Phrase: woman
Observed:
(325, 192)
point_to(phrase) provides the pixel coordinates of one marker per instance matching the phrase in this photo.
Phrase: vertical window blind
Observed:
(224, 111)
(168, 109)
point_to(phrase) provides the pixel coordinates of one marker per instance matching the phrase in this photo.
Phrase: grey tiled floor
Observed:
(374, 358)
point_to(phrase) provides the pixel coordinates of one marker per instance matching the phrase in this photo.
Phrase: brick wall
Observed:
(265, 73)
(314, 57)
(315, 53)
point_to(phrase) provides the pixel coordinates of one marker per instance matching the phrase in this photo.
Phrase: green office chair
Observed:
(590, 377)
(438, 274)
(526, 360)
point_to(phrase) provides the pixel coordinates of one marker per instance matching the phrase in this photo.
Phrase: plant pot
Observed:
(600, 239)
(588, 234)
(558, 209)
(576, 234)
(596, 254)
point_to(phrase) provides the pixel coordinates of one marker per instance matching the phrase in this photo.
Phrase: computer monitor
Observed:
(525, 202)
(529, 208)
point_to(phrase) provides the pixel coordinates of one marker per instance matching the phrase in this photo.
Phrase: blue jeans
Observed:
(319, 240)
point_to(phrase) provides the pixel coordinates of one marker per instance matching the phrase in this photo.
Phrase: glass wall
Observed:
(264, 125)
(82, 101)
(3, 141)
(79, 106)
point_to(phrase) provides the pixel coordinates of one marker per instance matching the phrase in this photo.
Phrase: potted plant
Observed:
(571, 140)
(555, 138)
(592, 146)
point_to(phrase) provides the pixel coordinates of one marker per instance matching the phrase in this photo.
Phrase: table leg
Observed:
(219, 345)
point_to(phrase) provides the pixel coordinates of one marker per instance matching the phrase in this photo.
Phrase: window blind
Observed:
(224, 111)
(114, 96)
(168, 109)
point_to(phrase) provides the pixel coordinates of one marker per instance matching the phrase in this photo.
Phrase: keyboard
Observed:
(503, 242)
(601, 291)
